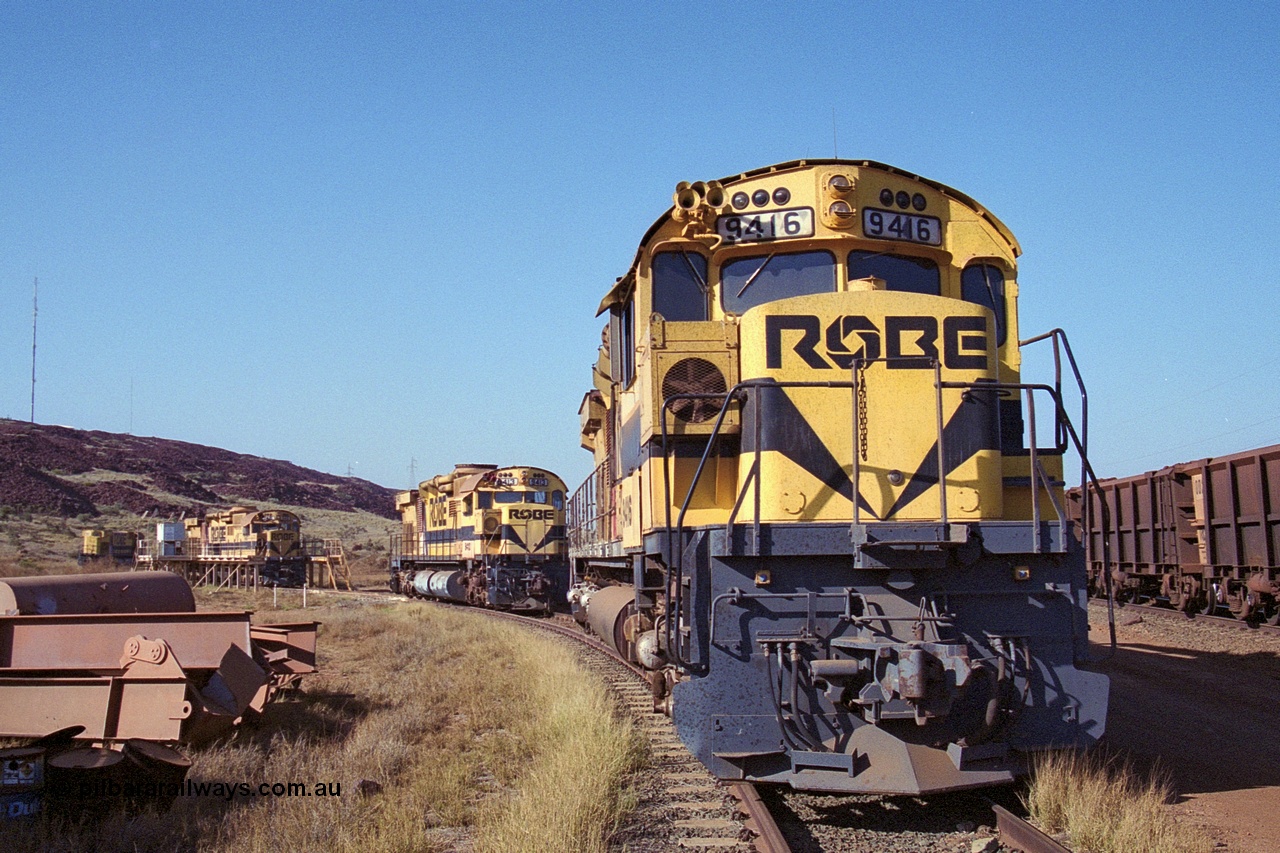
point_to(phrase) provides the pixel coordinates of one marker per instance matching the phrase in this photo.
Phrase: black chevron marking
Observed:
(554, 532)
(785, 430)
(510, 534)
(972, 427)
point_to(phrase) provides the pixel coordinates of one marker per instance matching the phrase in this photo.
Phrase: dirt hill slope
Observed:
(52, 470)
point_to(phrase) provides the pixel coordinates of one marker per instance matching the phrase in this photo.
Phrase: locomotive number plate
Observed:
(766, 225)
(888, 225)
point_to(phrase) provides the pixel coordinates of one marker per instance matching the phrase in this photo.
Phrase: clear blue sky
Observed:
(353, 235)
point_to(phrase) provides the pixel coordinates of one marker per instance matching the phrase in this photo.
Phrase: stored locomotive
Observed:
(822, 514)
(266, 542)
(483, 535)
(1201, 537)
(263, 544)
(119, 546)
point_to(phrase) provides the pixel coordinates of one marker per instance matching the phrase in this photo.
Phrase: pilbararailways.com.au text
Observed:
(222, 790)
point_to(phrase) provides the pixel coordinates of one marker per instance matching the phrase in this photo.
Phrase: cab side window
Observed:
(983, 284)
(680, 286)
(622, 343)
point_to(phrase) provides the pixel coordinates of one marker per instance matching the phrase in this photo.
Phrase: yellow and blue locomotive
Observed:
(269, 540)
(822, 515)
(483, 535)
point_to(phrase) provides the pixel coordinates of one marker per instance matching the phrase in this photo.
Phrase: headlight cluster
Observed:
(839, 190)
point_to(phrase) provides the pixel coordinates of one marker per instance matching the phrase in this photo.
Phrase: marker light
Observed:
(886, 197)
(781, 195)
(904, 200)
(740, 201)
(918, 202)
(760, 198)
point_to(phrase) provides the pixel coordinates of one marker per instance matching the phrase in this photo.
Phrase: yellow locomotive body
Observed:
(120, 546)
(266, 541)
(807, 412)
(246, 532)
(484, 535)
(243, 544)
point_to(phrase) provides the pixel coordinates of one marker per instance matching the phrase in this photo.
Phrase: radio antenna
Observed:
(35, 311)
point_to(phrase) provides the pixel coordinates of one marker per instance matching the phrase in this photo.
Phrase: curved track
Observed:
(683, 806)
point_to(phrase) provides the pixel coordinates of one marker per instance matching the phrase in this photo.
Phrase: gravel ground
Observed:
(950, 823)
(1198, 700)
(1174, 631)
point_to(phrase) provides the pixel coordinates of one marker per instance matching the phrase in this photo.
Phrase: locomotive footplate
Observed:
(882, 544)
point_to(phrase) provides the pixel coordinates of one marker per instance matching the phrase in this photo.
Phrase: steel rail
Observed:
(1225, 621)
(1017, 834)
(759, 820)
(769, 839)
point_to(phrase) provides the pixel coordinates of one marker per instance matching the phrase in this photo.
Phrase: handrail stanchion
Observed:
(942, 453)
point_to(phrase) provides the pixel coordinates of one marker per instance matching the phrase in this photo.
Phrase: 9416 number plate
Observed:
(766, 225)
(890, 225)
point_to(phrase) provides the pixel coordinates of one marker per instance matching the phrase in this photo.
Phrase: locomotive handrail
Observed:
(1058, 335)
(1064, 435)
(674, 554)
(859, 364)
(1093, 480)
(584, 524)
(1087, 475)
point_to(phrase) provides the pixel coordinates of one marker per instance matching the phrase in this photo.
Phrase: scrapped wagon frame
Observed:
(169, 675)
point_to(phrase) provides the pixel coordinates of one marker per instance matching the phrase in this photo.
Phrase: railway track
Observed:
(1178, 615)
(682, 806)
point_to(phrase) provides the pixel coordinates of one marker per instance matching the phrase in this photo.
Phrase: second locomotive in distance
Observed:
(483, 535)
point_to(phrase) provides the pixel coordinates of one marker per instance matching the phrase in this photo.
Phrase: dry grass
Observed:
(481, 737)
(33, 544)
(1106, 806)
